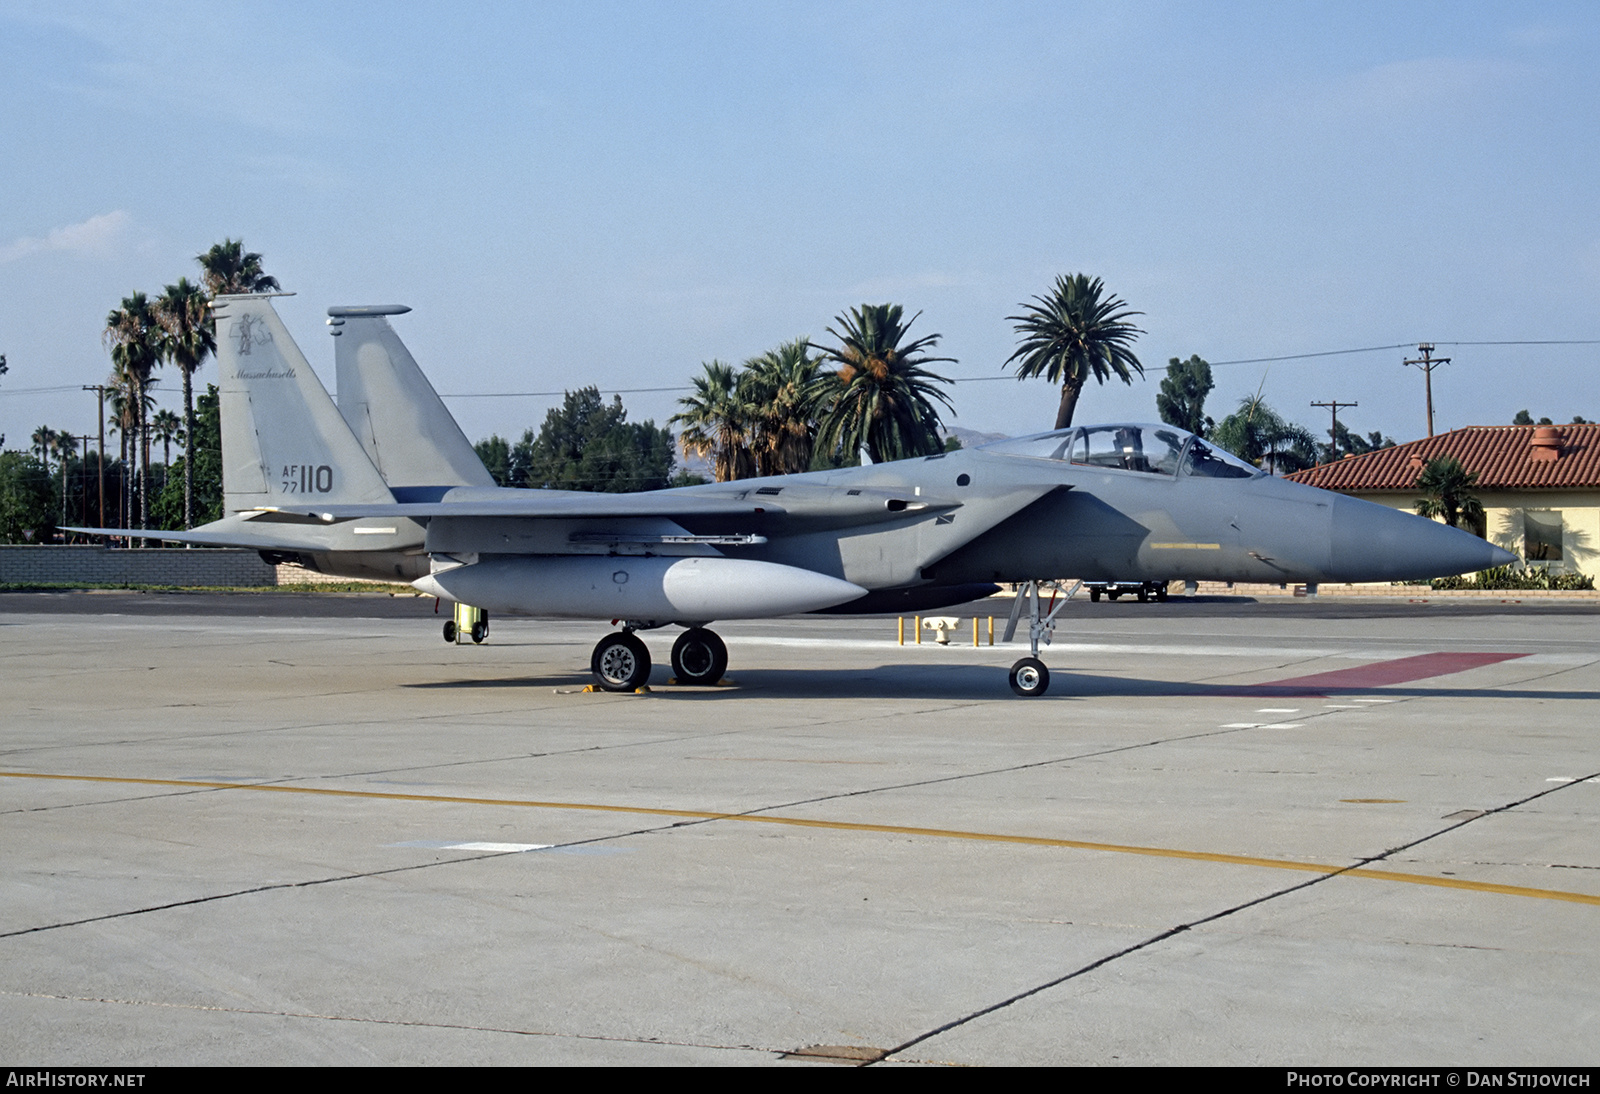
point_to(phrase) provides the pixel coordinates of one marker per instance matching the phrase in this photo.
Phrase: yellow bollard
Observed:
(991, 630)
(918, 625)
(902, 622)
(974, 632)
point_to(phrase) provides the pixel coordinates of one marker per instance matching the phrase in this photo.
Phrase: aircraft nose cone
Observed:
(1376, 543)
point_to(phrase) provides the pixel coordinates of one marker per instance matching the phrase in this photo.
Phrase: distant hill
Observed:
(971, 438)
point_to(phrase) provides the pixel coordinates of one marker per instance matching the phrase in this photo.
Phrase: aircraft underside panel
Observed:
(365, 565)
(651, 589)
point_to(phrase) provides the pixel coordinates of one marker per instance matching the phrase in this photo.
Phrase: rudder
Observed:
(393, 410)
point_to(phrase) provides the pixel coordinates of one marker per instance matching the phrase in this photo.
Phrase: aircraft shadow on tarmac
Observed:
(980, 682)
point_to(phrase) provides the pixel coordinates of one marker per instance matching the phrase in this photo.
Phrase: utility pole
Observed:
(1333, 431)
(1428, 362)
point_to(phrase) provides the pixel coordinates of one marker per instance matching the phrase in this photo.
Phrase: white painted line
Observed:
(1262, 725)
(1340, 706)
(1373, 700)
(471, 845)
(1565, 779)
(1278, 710)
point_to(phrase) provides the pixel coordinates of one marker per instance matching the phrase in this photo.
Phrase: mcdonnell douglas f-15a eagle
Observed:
(385, 485)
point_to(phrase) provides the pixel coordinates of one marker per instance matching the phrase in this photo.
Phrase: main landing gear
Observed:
(699, 657)
(622, 663)
(1029, 677)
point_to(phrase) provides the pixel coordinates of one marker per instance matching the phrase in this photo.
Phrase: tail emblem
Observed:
(249, 331)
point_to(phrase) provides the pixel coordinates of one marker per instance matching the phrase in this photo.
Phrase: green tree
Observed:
(186, 337)
(44, 439)
(27, 499)
(166, 427)
(1182, 398)
(716, 423)
(881, 397)
(1447, 492)
(776, 389)
(1259, 434)
(1075, 333)
(228, 269)
(1346, 443)
(1522, 418)
(206, 489)
(588, 444)
(494, 452)
(134, 335)
(65, 446)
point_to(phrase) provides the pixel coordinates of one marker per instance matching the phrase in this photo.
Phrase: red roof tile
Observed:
(1504, 456)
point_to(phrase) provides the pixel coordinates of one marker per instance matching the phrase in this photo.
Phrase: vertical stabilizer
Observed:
(283, 441)
(392, 408)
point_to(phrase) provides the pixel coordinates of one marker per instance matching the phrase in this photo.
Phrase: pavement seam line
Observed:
(1354, 870)
(264, 1013)
(692, 816)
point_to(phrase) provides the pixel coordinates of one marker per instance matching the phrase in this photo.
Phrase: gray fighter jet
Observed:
(386, 486)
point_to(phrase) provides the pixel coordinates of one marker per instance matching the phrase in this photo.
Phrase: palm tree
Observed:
(1447, 492)
(1073, 334)
(715, 423)
(1259, 434)
(776, 391)
(65, 446)
(230, 269)
(881, 397)
(187, 335)
(133, 334)
(166, 427)
(44, 439)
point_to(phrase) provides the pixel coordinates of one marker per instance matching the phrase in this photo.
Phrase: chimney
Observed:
(1546, 445)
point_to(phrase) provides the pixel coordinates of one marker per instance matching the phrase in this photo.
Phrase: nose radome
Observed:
(1376, 543)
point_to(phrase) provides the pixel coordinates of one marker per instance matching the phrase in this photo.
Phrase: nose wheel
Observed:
(1029, 677)
(620, 662)
(699, 657)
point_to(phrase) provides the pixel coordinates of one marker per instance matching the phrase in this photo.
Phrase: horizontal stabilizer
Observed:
(255, 541)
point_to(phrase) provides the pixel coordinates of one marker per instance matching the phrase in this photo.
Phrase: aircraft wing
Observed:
(860, 506)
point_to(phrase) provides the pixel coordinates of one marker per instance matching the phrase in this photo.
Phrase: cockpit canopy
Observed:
(1151, 449)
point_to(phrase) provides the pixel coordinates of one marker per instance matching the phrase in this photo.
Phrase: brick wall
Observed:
(138, 566)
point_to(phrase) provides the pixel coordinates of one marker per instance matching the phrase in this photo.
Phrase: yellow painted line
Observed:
(849, 826)
(1186, 546)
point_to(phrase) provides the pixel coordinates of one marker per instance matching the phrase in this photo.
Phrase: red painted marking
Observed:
(1382, 673)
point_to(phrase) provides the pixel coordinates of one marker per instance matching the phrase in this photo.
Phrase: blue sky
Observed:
(587, 193)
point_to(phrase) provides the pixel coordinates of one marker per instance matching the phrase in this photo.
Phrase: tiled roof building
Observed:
(1506, 457)
(1539, 485)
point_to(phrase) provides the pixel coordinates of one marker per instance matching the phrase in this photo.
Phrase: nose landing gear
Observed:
(1029, 677)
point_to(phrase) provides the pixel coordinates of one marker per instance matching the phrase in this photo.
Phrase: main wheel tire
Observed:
(620, 662)
(1144, 595)
(1094, 595)
(1112, 594)
(480, 631)
(1029, 677)
(1161, 595)
(449, 630)
(699, 657)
